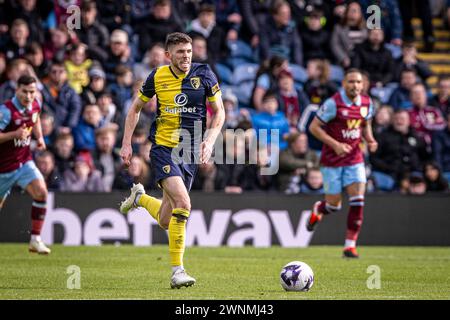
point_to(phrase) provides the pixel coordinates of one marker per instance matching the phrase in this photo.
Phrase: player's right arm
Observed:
(326, 113)
(5, 118)
(144, 95)
(130, 124)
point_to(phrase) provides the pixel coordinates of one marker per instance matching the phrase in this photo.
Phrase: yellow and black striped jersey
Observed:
(181, 101)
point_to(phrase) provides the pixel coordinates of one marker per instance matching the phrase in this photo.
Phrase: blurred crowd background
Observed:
(276, 61)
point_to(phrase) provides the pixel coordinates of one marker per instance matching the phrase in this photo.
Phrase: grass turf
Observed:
(127, 272)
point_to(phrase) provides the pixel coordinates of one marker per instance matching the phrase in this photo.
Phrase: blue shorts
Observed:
(21, 176)
(336, 178)
(167, 164)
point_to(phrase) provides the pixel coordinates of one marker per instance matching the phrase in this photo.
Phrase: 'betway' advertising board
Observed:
(260, 220)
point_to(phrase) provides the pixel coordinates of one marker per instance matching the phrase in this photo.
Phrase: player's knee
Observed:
(183, 203)
(40, 194)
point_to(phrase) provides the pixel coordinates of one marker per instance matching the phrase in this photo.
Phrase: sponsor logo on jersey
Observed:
(181, 99)
(195, 82)
(353, 123)
(351, 134)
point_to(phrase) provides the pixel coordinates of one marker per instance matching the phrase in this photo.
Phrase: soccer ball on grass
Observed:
(296, 276)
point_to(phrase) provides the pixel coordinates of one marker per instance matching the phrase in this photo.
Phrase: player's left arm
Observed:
(37, 130)
(367, 132)
(216, 126)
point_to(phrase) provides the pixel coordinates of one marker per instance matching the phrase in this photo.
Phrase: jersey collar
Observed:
(347, 100)
(19, 106)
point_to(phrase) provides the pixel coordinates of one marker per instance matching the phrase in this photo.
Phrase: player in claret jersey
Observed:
(340, 123)
(19, 117)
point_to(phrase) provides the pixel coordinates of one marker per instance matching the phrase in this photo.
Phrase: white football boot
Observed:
(37, 246)
(129, 203)
(181, 279)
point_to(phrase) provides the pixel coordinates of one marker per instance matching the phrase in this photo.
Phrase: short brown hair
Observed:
(352, 70)
(26, 80)
(177, 38)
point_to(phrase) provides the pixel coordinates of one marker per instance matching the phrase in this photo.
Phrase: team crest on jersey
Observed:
(195, 82)
(34, 117)
(166, 169)
(364, 111)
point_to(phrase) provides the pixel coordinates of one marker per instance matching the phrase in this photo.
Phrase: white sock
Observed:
(350, 243)
(136, 200)
(176, 268)
(35, 237)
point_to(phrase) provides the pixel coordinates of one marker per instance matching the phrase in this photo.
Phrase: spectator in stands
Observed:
(55, 47)
(266, 79)
(119, 54)
(92, 33)
(373, 57)
(441, 149)
(409, 60)
(279, 36)
(105, 157)
(34, 54)
(160, 23)
(2, 68)
(232, 114)
(382, 120)
(391, 21)
(205, 180)
(121, 89)
(200, 52)
(228, 17)
(423, 10)
(254, 15)
(400, 151)
(28, 11)
(206, 26)
(401, 96)
(137, 172)
(441, 99)
(417, 185)
(63, 151)
(60, 99)
(315, 38)
(294, 162)
(14, 70)
(77, 67)
(434, 178)
(84, 132)
(350, 32)
(290, 99)
(109, 111)
(19, 39)
(313, 182)
(115, 14)
(424, 119)
(97, 85)
(318, 87)
(153, 58)
(84, 177)
(48, 128)
(45, 162)
(269, 118)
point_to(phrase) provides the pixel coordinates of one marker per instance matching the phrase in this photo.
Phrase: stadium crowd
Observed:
(276, 60)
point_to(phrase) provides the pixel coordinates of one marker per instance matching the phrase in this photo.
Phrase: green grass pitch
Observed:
(127, 272)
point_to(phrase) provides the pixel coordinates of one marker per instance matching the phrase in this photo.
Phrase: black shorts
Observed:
(167, 164)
